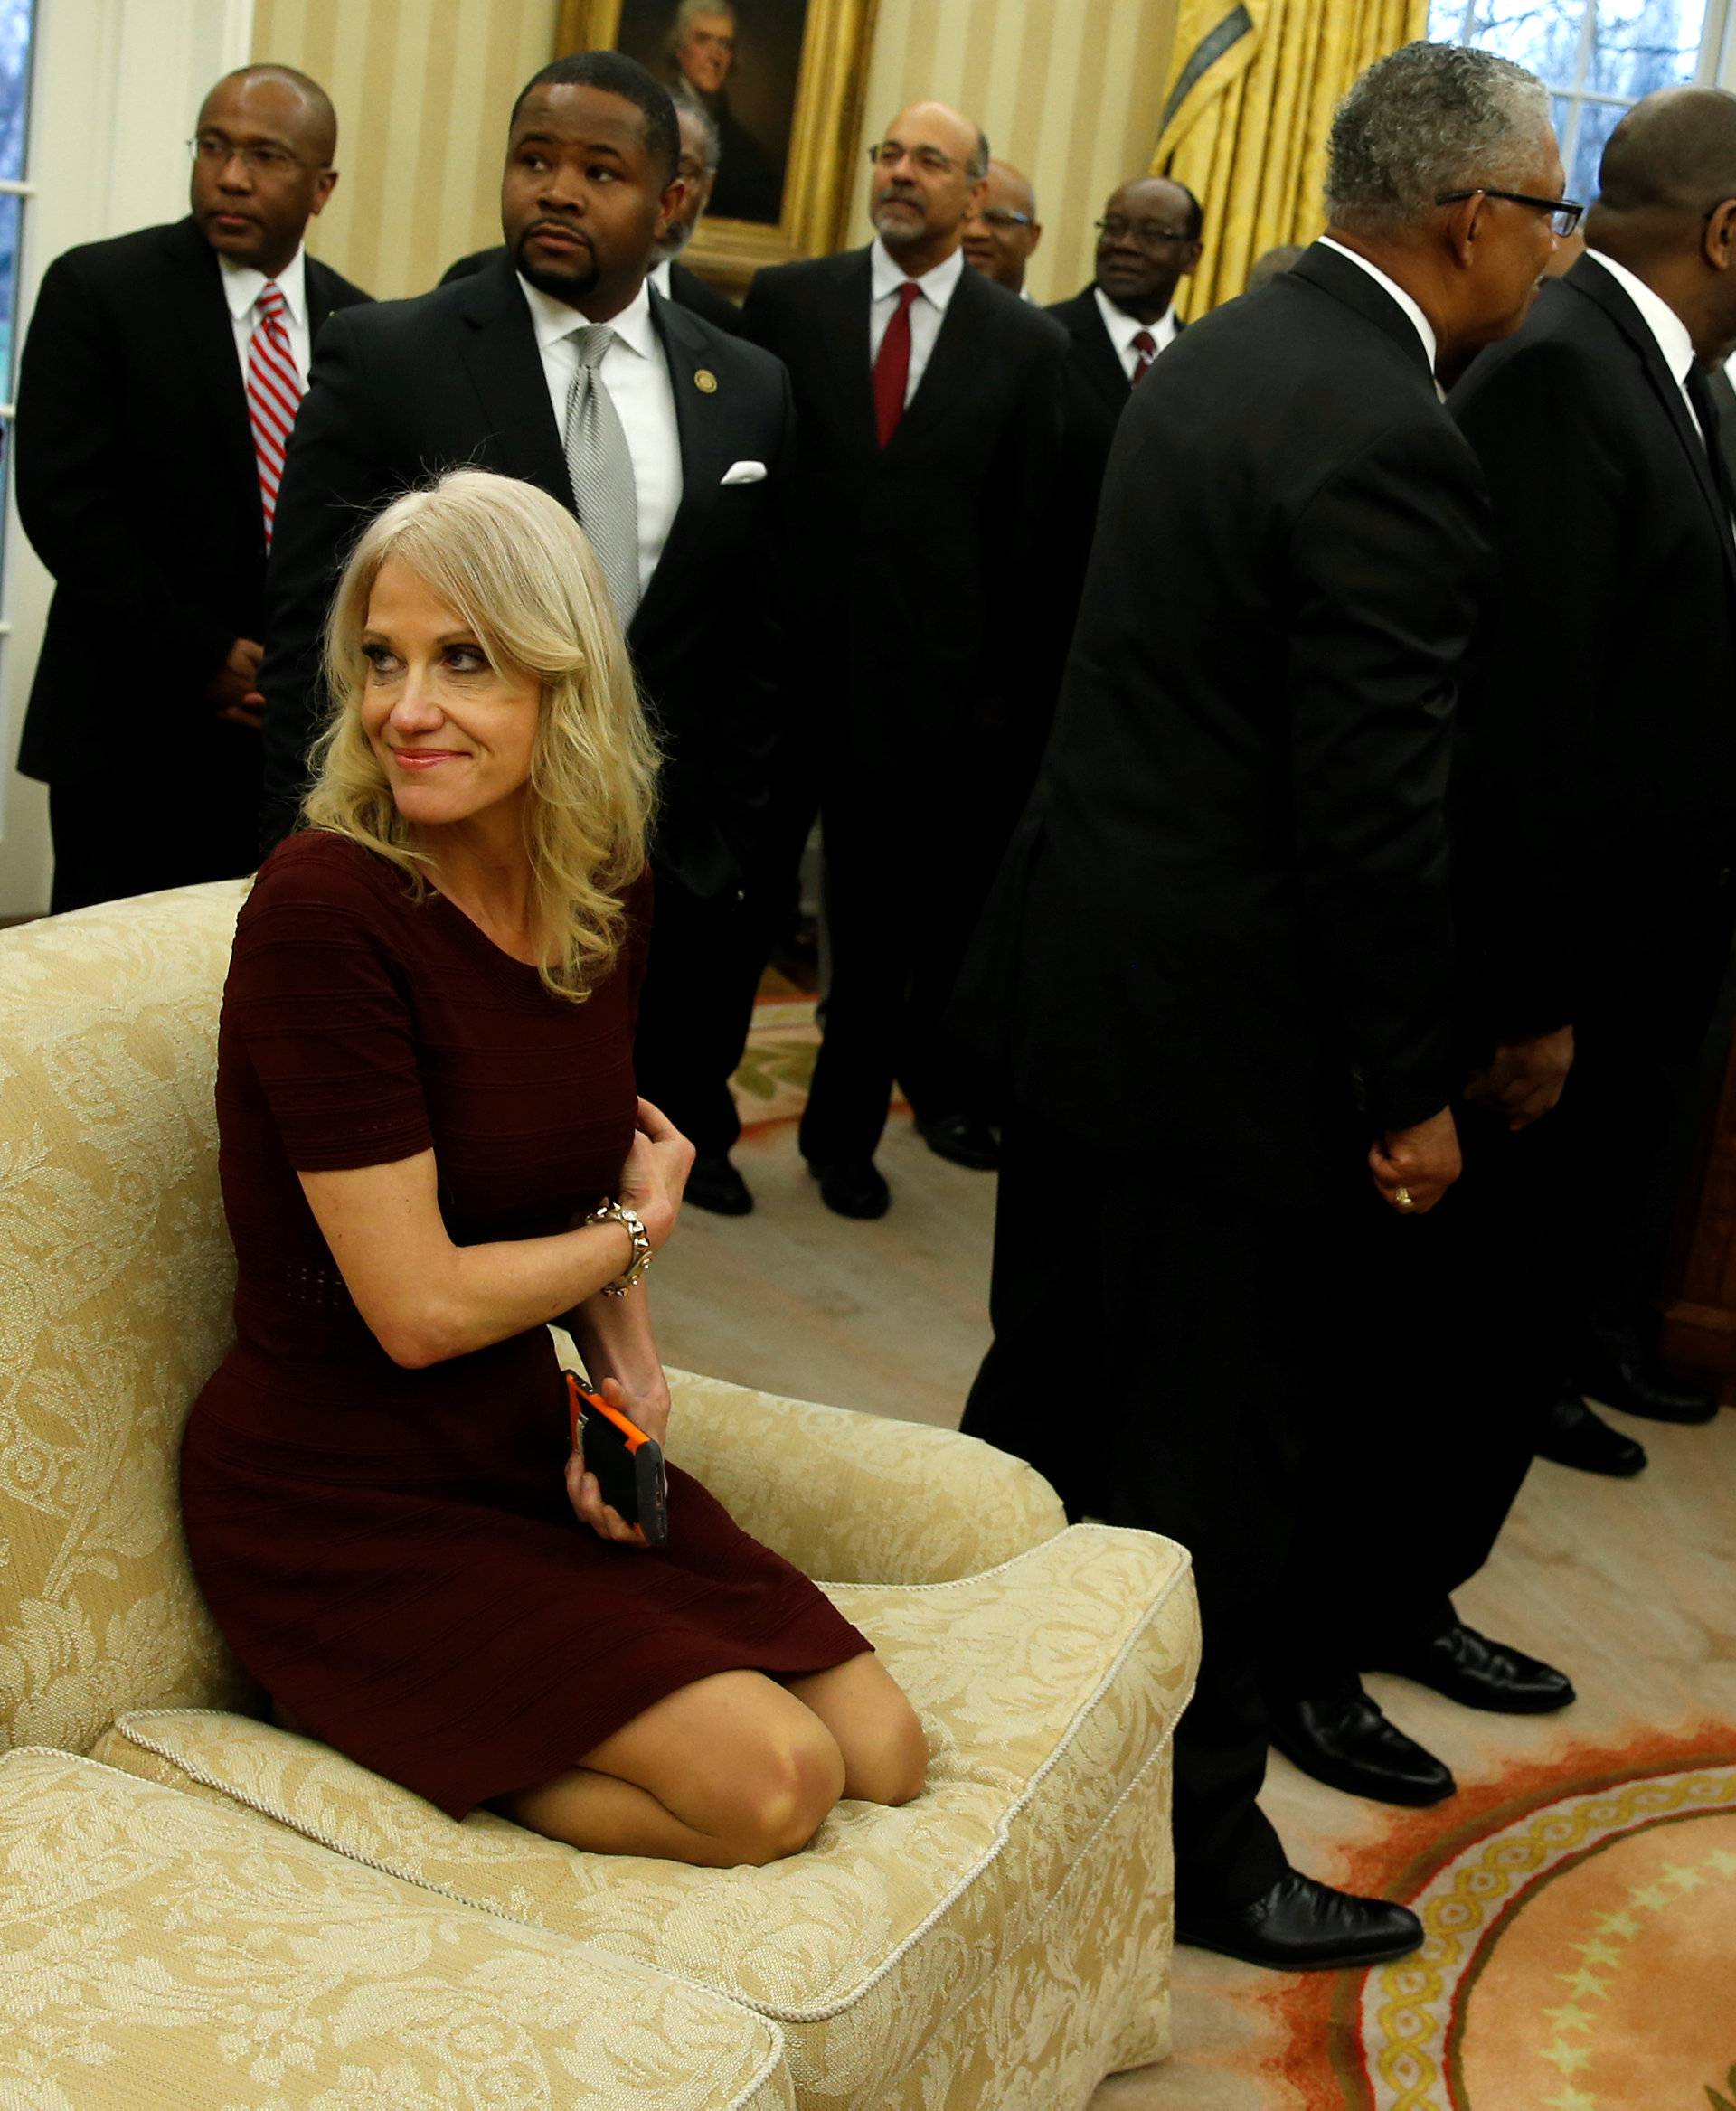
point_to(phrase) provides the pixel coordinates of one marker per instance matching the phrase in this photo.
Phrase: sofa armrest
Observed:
(853, 1498)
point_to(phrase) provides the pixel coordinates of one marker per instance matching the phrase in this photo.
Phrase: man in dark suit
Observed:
(697, 169)
(145, 485)
(929, 400)
(1002, 229)
(1601, 750)
(495, 372)
(1219, 961)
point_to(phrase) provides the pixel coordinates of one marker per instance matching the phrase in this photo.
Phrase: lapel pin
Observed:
(706, 382)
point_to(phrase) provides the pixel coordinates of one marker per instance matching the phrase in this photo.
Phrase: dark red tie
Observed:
(1146, 345)
(893, 366)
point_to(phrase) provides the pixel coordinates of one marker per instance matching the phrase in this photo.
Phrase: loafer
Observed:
(852, 1187)
(714, 1184)
(1301, 1924)
(964, 1138)
(1469, 1668)
(1573, 1436)
(1345, 1741)
(1643, 1387)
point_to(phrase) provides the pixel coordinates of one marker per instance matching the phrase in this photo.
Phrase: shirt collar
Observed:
(1425, 329)
(242, 286)
(658, 275)
(1671, 332)
(936, 286)
(1123, 328)
(552, 320)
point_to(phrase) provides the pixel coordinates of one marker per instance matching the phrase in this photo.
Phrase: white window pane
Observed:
(1542, 34)
(14, 85)
(1643, 44)
(1596, 121)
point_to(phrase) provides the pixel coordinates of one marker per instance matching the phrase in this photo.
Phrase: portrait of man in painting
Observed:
(740, 60)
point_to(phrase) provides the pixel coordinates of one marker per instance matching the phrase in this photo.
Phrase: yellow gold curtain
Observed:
(1244, 125)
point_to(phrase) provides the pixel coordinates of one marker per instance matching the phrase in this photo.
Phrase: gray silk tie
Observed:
(602, 469)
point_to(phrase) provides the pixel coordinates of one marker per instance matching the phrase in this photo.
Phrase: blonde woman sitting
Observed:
(431, 1148)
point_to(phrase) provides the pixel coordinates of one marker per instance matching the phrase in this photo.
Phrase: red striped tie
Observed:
(273, 395)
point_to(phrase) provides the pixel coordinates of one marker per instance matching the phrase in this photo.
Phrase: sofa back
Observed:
(116, 1275)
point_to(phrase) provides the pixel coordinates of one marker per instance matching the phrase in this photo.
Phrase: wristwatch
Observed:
(633, 1224)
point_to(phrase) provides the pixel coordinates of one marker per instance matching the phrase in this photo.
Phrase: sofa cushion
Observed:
(161, 1951)
(1048, 1687)
(115, 1307)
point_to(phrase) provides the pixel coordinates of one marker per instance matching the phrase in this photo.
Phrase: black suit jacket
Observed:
(1223, 922)
(410, 388)
(1597, 770)
(919, 564)
(139, 489)
(685, 286)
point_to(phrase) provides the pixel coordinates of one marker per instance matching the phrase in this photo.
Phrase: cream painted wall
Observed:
(1068, 89)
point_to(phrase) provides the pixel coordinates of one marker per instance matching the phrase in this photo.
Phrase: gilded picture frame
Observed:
(824, 134)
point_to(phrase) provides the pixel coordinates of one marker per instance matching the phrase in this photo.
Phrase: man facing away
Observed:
(1219, 960)
(929, 403)
(697, 168)
(1002, 229)
(556, 362)
(160, 376)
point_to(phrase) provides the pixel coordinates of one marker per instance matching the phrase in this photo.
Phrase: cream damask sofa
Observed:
(200, 1910)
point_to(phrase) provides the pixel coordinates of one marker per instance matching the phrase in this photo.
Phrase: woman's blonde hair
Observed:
(514, 565)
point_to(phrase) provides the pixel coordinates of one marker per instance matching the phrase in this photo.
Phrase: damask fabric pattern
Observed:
(157, 1949)
(1003, 1941)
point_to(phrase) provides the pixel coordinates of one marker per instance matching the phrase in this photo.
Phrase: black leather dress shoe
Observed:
(965, 1138)
(1469, 1668)
(1303, 1926)
(1573, 1436)
(714, 1184)
(1643, 1387)
(1345, 1740)
(852, 1187)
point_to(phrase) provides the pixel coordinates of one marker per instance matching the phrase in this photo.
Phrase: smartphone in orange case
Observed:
(628, 1464)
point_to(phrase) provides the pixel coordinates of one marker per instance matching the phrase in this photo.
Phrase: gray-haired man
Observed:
(1219, 963)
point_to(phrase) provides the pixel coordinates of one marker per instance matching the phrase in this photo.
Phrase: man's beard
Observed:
(562, 285)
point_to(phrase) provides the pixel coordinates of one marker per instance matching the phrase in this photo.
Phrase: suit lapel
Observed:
(843, 329)
(209, 333)
(318, 282)
(1589, 279)
(1095, 351)
(505, 368)
(703, 421)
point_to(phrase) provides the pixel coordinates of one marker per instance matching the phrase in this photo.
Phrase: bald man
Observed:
(928, 397)
(1001, 231)
(1599, 750)
(160, 376)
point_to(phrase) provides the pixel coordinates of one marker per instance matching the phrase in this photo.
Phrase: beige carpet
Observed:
(1628, 1586)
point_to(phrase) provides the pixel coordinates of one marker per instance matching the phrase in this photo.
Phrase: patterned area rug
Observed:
(771, 1085)
(1580, 1951)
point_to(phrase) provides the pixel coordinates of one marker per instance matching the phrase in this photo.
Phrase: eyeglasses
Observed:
(1005, 216)
(889, 153)
(1150, 234)
(1564, 213)
(214, 150)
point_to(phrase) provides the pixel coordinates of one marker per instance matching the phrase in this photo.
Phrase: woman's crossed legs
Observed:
(735, 1767)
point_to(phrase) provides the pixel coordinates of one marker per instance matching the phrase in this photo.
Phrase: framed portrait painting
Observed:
(783, 80)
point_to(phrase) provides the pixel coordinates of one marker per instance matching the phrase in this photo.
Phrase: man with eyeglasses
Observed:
(1219, 967)
(1600, 761)
(1147, 241)
(160, 376)
(927, 399)
(1001, 231)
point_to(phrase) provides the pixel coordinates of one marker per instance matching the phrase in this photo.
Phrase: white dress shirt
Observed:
(1123, 328)
(658, 275)
(1662, 320)
(242, 287)
(1425, 329)
(928, 311)
(636, 375)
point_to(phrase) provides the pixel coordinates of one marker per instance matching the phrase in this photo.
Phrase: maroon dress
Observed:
(391, 1554)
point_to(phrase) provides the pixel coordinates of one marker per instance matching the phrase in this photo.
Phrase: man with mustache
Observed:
(930, 400)
(160, 374)
(670, 440)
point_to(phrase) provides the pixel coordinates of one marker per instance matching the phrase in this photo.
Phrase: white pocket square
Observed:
(745, 473)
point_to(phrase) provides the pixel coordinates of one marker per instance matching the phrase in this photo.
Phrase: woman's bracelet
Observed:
(633, 1224)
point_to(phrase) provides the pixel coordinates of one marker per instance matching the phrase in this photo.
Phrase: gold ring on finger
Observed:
(1403, 1198)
